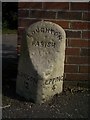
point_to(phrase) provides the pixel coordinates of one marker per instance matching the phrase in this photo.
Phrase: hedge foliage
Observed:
(10, 15)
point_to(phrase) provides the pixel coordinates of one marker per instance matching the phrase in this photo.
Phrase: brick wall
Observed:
(74, 19)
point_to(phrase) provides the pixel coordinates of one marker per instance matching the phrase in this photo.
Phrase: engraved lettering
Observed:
(52, 31)
(26, 84)
(53, 44)
(56, 33)
(43, 44)
(42, 30)
(28, 79)
(59, 37)
(46, 30)
(37, 43)
(37, 30)
(50, 81)
(47, 82)
(53, 80)
(49, 43)
(33, 32)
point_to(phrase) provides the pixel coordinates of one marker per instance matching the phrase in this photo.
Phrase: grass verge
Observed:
(9, 31)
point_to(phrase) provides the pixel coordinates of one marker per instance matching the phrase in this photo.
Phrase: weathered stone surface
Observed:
(41, 64)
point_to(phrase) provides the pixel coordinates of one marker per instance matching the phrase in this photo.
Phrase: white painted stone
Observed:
(41, 64)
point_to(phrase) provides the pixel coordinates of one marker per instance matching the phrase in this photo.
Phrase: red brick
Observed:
(77, 60)
(18, 49)
(56, 5)
(78, 43)
(73, 34)
(21, 31)
(86, 16)
(42, 14)
(86, 34)
(79, 25)
(88, 25)
(26, 22)
(72, 51)
(23, 13)
(85, 52)
(76, 77)
(30, 5)
(80, 6)
(63, 24)
(84, 69)
(70, 15)
(71, 68)
(19, 40)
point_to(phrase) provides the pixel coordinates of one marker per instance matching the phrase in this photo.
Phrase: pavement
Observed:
(71, 103)
(9, 45)
(9, 56)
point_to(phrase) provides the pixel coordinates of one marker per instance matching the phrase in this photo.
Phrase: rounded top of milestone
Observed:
(46, 28)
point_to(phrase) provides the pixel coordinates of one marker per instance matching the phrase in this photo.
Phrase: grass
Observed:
(9, 31)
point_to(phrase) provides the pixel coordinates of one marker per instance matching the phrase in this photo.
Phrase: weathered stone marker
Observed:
(41, 64)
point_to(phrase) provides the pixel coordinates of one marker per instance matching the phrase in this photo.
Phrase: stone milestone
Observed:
(41, 63)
